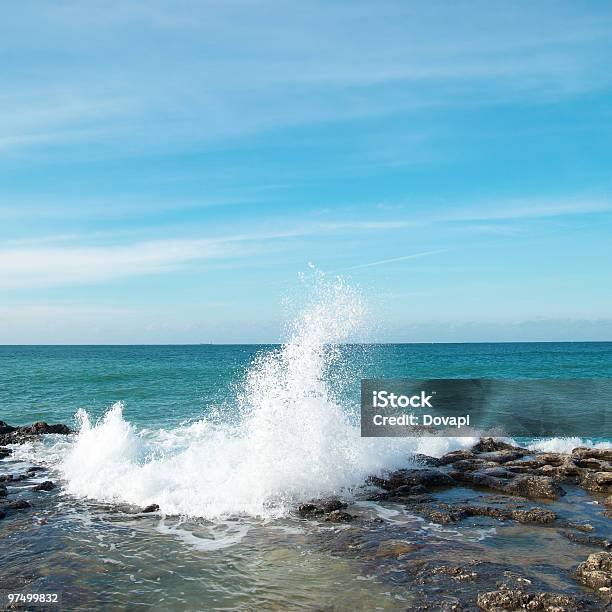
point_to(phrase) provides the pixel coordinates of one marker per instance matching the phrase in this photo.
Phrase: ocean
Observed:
(227, 440)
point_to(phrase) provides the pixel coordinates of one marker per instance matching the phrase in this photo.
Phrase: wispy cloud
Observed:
(528, 208)
(382, 262)
(179, 84)
(45, 267)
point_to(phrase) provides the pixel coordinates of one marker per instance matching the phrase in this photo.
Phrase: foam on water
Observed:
(293, 439)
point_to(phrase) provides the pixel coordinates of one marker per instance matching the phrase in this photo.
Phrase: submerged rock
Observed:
(444, 513)
(587, 540)
(150, 508)
(339, 516)
(20, 504)
(5, 452)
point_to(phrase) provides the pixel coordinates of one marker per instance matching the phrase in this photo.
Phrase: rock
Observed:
(593, 453)
(541, 487)
(2, 515)
(338, 516)
(19, 504)
(608, 501)
(540, 516)
(17, 435)
(506, 599)
(309, 510)
(150, 508)
(536, 487)
(490, 445)
(426, 477)
(5, 428)
(596, 571)
(34, 469)
(585, 527)
(395, 548)
(598, 482)
(41, 427)
(455, 456)
(328, 507)
(587, 540)
(426, 460)
(444, 514)
(3, 491)
(333, 505)
(502, 456)
(5, 452)
(44, 486)
(455, 572)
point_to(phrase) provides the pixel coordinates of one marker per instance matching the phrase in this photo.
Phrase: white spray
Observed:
(293, 441)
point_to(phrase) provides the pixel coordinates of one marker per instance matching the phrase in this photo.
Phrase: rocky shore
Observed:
(492, 483)
(551, 551)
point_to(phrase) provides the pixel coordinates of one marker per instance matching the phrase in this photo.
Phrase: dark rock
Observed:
(5, 452)
(508, 600)
(502, 456)
(5, 428)
(34, 469)
(455, 456)
(587, 540)
(150, 508)
(17, 435)
(472, 465)
(338, 516)
(44, 486)
(426, 460)
(41, 427)
(426, 477)
(596, 571)
(490, 445)
(20, 504)
(2, 515)
(309, 510)
(332, 505)
(3, 491)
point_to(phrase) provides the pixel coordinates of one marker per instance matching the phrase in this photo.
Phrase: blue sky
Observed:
(168, 169)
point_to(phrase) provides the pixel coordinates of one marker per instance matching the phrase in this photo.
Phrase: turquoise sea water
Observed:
(168, 385)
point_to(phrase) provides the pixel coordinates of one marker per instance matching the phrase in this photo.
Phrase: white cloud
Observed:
(44, 267)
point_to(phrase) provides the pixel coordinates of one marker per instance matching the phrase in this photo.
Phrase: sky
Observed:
(169, 170)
